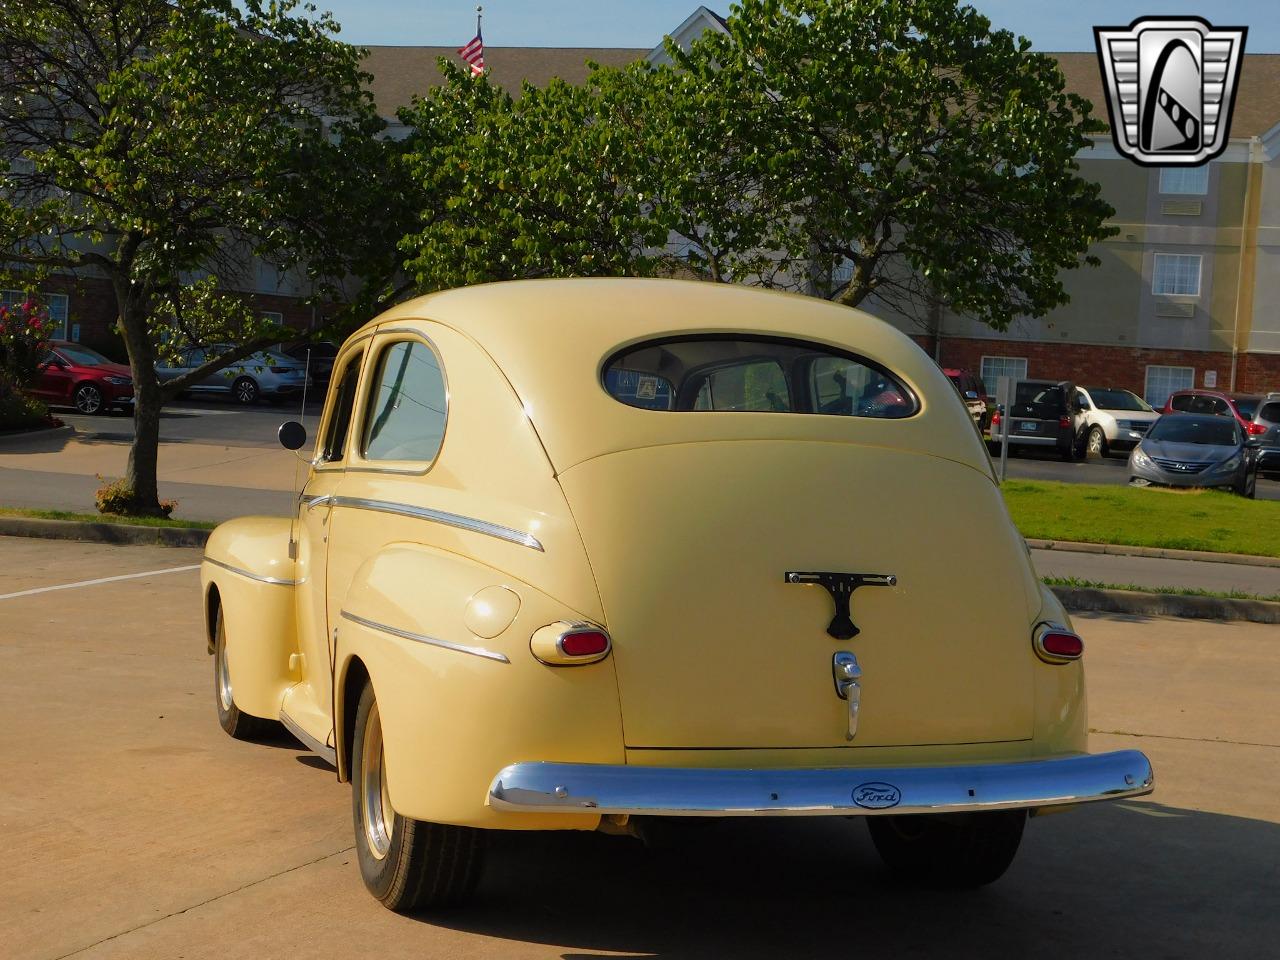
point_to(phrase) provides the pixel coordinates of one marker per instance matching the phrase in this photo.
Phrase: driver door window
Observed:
(333, 443)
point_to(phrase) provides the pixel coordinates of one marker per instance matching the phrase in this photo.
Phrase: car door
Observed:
(53, 382)
(310, 703)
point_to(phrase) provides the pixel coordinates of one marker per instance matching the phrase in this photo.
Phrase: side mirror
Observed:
(971, 394)
(292, 435)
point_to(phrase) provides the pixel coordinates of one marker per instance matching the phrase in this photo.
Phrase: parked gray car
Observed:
(1196, 450)
(267, 375)
(1265, 428)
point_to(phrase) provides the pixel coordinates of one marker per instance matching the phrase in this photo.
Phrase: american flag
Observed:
(473, 53)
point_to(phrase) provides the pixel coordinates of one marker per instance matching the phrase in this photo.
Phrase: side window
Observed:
(1181, 403)
(1270, 413)
(407, 406)
(1221, 407)
(335, 436)
(758, 386)
(1083, 401)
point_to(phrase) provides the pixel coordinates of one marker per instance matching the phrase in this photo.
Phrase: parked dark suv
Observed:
(1044, 414)
(1265, 428)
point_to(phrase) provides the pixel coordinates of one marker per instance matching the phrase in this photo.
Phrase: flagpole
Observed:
(479, 14)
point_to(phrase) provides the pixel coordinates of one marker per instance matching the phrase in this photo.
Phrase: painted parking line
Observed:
(92, 583)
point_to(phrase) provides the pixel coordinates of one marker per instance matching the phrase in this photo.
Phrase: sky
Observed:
(1051, 25)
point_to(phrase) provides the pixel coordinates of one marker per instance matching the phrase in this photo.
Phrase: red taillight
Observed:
(1256, 428)
(1064, 422)
(585, 643)
(1056, 644)
(995, 419)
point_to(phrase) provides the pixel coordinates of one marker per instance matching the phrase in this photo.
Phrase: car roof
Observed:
(552, 338)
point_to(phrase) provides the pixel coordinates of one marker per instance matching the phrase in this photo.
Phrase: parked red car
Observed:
(73, 375)
(1239, 405)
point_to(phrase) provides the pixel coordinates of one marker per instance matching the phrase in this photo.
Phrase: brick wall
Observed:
(1124, 367)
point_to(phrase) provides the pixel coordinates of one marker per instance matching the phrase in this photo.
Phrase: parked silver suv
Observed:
(266, 375)
(1267, 416)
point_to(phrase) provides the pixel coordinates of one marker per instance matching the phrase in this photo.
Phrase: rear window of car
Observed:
(1038, 401)
(1247, 406)
(743, 374)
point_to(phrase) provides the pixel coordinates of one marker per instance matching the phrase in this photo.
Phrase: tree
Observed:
(903, 139)
(167, 145)
(527, 187)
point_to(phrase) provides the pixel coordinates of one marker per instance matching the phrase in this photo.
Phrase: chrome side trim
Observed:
(274, 581)
(508, 534)
(423, 638)
(318, 501)
(692, 792)
(328, 754)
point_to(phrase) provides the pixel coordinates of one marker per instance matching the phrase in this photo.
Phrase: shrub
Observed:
(118, 497)
(20, 412)
(24, 337)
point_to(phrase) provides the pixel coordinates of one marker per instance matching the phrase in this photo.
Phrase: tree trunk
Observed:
(140, 475)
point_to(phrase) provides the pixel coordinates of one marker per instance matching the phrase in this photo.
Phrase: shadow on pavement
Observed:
(1134, 879)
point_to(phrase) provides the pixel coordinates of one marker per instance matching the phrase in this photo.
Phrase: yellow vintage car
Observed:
(588, 554)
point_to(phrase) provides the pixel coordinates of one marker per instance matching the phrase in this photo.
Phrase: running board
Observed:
(328, 754)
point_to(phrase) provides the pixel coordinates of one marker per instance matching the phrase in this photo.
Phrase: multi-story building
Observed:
(1188, 292)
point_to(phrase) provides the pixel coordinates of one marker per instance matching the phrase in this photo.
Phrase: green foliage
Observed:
(25, 330)
(908, 138)
(539, 186)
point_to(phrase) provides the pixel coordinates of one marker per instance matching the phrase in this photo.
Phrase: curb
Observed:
(1159, 553)
(1136, 603)
(66, 429)
(120, 533)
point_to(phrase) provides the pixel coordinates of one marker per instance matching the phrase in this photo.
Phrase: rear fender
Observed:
(248, 576)
(1062, 712)
(444, 642)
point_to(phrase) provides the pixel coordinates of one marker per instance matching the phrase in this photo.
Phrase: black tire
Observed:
(234, 721)
(1096, 444)
(1068, 453)
(941, 850)
(407, 864)
(245, 390)
(1250, 488)
(88, 398)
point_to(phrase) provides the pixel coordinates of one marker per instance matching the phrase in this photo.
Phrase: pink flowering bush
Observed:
(24, 337)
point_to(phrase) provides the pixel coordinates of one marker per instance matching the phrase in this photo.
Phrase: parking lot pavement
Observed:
(203, 420)
(134, 828)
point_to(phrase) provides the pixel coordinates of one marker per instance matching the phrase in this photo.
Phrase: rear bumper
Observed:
(692, 792)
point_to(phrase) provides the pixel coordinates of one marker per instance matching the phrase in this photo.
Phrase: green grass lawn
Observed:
(105, 518)
(1150, 517)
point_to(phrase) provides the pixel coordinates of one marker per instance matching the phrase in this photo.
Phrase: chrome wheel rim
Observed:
(224, 677)
(1095, 442)
(88, 400)
(246, 391)
(375, 799)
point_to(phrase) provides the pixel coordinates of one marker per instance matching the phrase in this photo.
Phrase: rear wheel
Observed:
(405, 863)
(941, 850)
(1097, 443)
(245, 390)
(1249, 488)
(231, 718)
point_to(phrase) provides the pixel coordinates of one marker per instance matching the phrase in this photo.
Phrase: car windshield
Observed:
(755, 375)
(1247, 406)
(1117, 400)
(81, 356)
(1215, 431)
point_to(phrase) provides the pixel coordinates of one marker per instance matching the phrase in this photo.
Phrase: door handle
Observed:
(846, 673)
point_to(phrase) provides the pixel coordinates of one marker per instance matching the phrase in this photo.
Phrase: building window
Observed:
(1176, 274)
(1193, 180)
(55, 303)
(1162, 381)
(993, 368)
(273, 316)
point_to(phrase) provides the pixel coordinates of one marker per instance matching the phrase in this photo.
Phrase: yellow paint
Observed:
(672, 530)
